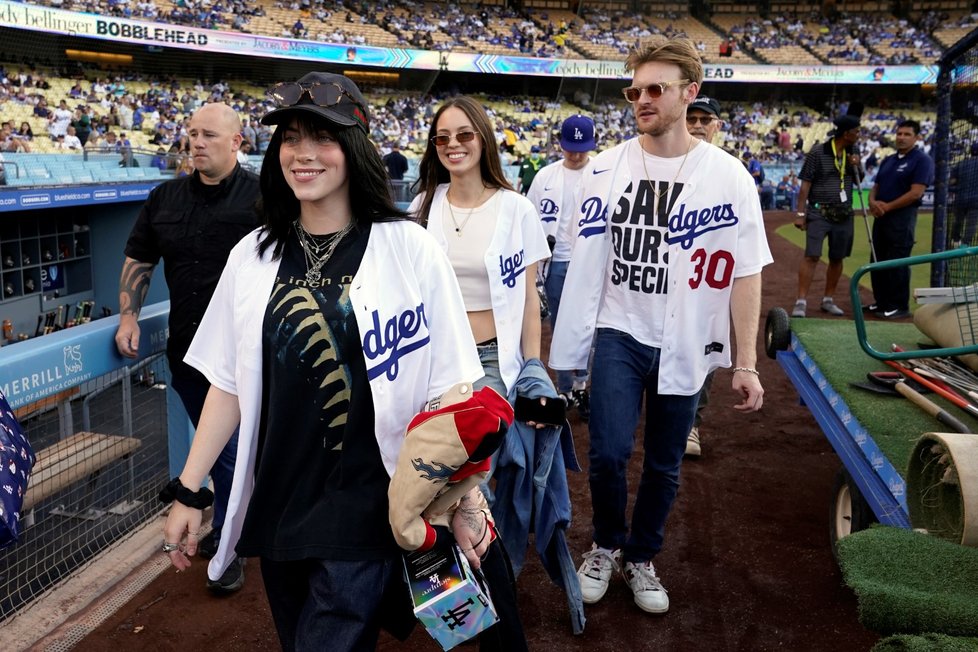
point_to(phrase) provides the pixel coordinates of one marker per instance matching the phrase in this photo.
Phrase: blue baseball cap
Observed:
(577, 134)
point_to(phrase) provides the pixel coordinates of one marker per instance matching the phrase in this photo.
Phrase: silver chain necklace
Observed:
(311, 248)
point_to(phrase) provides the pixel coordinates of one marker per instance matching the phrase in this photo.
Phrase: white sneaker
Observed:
(596, 571)
(799, 310)
(693, 447)
(650, 595)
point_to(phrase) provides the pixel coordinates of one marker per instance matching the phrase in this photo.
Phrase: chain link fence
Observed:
(102, 459)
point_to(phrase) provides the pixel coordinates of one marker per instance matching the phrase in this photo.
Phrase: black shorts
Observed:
(839, 234)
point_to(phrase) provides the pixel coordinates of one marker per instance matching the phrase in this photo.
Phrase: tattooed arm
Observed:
(470, 525)
(133, 286)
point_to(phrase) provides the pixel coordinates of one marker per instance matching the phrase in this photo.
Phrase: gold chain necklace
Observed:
(451, 211)
(658, 195)
(311, 249)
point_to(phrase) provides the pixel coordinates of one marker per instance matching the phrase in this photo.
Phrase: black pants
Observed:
(893, 237)
(344, 605)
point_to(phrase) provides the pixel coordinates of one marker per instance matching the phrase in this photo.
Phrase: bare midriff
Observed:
(483, 325)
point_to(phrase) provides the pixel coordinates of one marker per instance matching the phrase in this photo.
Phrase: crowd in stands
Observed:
(45, 113)
(869, 39)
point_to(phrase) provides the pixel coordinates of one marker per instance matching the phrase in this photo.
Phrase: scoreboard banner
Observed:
(57, 21)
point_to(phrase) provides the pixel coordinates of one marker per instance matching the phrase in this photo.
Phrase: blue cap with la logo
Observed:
(577, 134)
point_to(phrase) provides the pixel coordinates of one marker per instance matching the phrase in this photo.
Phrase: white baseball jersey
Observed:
(710, 231)
(554, 190)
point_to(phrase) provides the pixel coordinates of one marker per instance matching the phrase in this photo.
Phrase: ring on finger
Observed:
(170, 547)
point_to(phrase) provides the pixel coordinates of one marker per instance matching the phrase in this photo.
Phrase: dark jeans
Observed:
(624, 371)
(341, 606)
(192, 388)
(704, 399)
(554, 287)
(893, 236)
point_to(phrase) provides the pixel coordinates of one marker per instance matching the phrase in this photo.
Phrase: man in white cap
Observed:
(553, 193)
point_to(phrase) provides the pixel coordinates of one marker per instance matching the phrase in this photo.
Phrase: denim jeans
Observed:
(623, 371)
(320, 604)
(554, 287)
(489, 357)
(192, 388)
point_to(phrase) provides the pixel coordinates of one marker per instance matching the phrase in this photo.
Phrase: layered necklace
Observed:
(465, 219)
(659, 195)
(318, 249)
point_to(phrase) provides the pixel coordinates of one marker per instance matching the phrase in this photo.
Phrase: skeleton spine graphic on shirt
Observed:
(312, 347)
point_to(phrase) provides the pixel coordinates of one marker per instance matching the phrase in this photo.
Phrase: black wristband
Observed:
(174, 490)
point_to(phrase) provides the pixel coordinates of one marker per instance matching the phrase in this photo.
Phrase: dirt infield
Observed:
(746, 561)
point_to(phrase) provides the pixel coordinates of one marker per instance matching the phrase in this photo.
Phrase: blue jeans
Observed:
(192, 388)
(554, 287)
(623, 371)
(489, 357)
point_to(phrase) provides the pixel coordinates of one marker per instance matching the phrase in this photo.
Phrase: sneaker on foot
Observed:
(596, 571)
(650, 595)
(828, 305)
(582, 399)
(567, 398)
(693, 447)
(894, 314)
(207, 547)
(232, 580)
(799, 309)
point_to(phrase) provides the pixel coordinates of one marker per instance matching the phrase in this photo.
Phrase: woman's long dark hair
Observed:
(431, 172)
(370, 191)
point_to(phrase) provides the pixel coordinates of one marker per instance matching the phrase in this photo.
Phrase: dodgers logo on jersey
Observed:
(595, 220)
(686, 226)
(400, 335)
(548, 210)
(510, 268)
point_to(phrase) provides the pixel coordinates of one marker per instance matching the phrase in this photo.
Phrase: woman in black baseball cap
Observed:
(331, 326)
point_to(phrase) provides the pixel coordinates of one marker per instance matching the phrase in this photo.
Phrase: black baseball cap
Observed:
(845, 123)
(706, 104)
(327, 95)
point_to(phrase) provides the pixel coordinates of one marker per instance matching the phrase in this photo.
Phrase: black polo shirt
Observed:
(193, 226)
(820, 169)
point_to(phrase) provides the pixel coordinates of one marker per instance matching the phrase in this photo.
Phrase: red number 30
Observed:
(718, 267)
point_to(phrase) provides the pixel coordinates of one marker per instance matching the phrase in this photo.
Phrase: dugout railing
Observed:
(98, 425)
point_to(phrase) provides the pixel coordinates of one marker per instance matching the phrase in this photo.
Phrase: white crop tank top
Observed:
(468, 233)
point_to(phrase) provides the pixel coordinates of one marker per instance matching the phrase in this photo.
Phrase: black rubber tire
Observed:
(849, 512)
(777, 332)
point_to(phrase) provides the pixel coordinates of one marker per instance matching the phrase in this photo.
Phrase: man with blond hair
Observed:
(192, 223)
(668, 255)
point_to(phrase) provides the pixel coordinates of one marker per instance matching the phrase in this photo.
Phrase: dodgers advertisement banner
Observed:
(46, 365)
(57, 21)
(17, 199)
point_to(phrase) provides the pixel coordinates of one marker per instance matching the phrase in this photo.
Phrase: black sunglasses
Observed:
(633, 93)
(702, 119)
(321, 94)
(442, 140)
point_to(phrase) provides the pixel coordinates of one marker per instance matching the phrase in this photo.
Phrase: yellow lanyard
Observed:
(840, 165)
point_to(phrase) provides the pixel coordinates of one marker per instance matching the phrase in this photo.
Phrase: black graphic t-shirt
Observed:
(320, 485)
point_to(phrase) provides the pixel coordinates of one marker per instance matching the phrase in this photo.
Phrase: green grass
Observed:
(919, 274)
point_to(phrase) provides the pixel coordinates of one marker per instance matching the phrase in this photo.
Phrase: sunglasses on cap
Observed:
(441, 140)
(702, 119)
(633, 93)
(321, 94)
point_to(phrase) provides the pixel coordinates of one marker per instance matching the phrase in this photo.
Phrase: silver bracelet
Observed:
(749, 370)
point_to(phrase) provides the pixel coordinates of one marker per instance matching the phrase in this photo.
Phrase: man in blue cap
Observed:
(553, 194)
